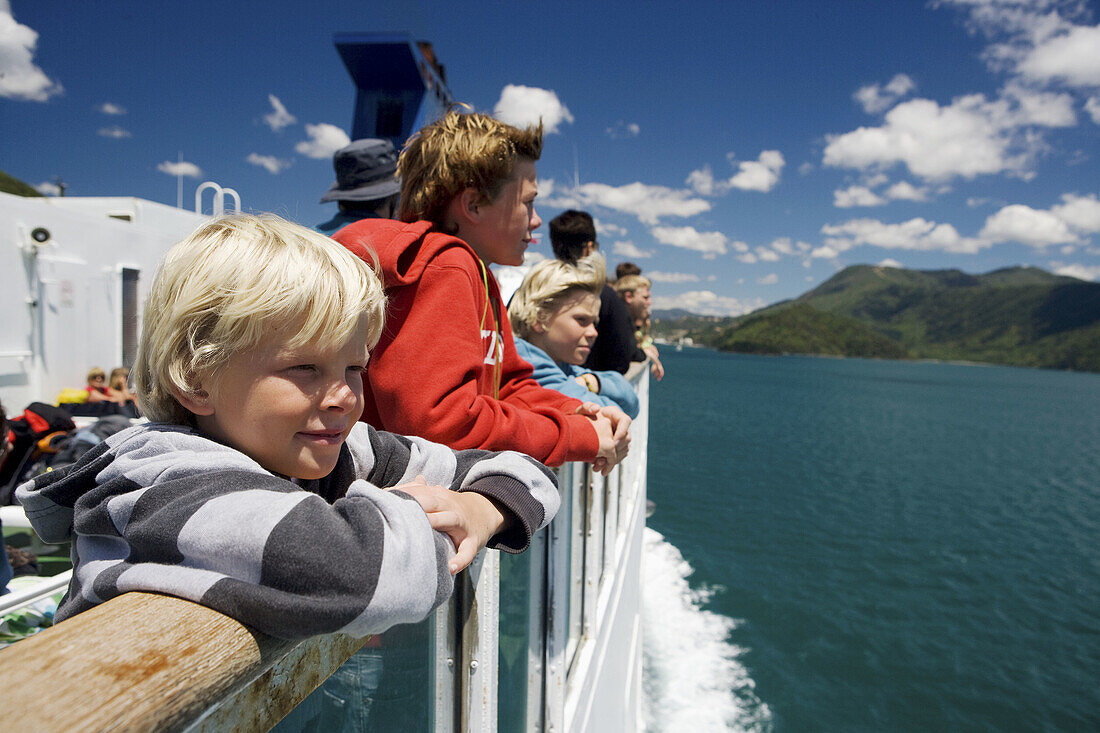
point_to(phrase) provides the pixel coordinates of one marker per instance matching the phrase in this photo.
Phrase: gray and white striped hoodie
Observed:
(161, 508)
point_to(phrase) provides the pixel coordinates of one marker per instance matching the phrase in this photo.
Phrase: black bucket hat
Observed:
(364, 171)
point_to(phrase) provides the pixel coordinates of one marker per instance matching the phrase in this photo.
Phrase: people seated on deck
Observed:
(256, 491)
(97, 388)
(118, 387)
(554, 315)
(366, 185)
(446, 366)
(634, 290)
(573, 236)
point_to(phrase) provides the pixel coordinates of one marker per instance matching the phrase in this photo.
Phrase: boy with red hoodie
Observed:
(446, 367)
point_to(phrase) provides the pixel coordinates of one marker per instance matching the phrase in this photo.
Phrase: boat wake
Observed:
(692, 678)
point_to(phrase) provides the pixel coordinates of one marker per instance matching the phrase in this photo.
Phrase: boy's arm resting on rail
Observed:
(256, 547)
(521, 488)
(425, 373)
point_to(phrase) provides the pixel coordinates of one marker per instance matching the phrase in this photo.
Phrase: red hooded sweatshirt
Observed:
(447, 349)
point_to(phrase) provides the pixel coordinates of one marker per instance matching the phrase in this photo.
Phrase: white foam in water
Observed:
(693, 681)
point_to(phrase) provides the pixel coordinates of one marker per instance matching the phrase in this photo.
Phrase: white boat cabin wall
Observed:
(75, 272)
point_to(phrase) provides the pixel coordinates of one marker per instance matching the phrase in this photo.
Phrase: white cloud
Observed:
(889, 262)
(707, 303)
(875, 98)
(824, 252)
(1081, 272)
(609, 228)
(324, 140)
(1061, 224)
(905, 191)
(114, 131)
(181, 168)
(48, 189)
(629, 249)
(1070, 58)
(747, 257)
(915, 234)
(20, 78)
(1092, 106)
(278, 117)
(623, 129)
(270, 163)
(761, 174)
(648, 203)
(752, 175)
(769, 279)
(1080, 212)
(846, 198)
(658, 276)
(766, 255)
(110, 108)
(709, 244)
(783, 245)
(523, 106)
(972, 136)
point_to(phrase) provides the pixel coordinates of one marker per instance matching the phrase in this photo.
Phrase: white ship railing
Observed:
(150, 662)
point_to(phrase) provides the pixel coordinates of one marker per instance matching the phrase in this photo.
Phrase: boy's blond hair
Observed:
(630, 283)
(549, 284)
(232, 283)
(457, 152)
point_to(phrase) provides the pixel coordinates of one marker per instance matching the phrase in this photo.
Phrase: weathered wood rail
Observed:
(173, 666)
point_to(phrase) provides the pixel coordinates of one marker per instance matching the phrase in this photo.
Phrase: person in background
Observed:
(626, 268)
(97, 386)
(118, 385)
(634, 290)
(554, 315)
(446, 367)
(573, 236)
(366, 185)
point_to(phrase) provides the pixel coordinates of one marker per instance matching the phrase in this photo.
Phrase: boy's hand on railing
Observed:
(613, 430)
(656, 368)
(620, 423)
(468, 518)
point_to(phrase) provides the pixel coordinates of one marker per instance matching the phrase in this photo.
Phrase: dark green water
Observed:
(904, 546)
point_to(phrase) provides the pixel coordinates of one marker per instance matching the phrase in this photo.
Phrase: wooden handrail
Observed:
(182, 667)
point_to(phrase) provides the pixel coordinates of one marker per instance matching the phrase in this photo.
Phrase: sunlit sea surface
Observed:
(847, 545)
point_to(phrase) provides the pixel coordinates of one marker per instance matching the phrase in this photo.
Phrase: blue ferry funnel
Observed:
(400, 85)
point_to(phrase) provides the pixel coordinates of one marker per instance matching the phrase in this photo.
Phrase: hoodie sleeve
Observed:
(614, 388)
(527, 489)
(429, 374)
(244, 542)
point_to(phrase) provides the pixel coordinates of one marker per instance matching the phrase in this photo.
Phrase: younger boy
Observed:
(255, 491)
(446, 366)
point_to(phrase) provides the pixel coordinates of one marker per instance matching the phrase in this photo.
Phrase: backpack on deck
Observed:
(39, 429)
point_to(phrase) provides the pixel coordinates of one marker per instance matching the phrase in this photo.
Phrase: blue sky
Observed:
(740, 152)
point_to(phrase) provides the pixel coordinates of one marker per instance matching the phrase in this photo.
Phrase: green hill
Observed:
(1021, 316)
(801, 329)
(10, 184)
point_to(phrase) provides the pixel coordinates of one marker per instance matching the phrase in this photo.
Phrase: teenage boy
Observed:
(256, 491)
(634, 291)
(446, 366)
(573, 236)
